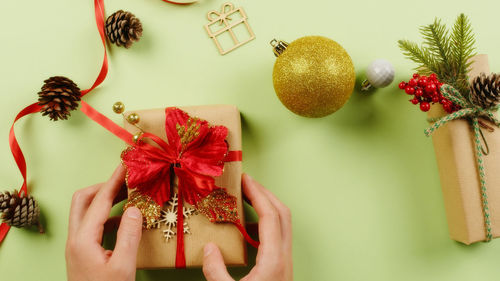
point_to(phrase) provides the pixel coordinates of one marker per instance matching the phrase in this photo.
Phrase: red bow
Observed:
(195, 152)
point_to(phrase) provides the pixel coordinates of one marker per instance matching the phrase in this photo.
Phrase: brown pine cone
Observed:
(19, 211)
(123, 28)
(58, 97)
(485, 90)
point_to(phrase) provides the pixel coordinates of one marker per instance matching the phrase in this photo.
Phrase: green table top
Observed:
(362, 183)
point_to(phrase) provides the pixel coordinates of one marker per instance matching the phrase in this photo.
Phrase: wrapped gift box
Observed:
(154, 249)
(456, 158)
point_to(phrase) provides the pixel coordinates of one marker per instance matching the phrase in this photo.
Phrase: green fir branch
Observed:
(436, 39)
(463, 41)
(462, 48)
(445, 53)
(420, 55)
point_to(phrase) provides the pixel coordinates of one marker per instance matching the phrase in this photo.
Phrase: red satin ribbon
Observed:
(18, 157)
(234, 156)
(179, 3)
(99, 18)
(180, 255)
(247, 237)
(34, 108)
(107, 123)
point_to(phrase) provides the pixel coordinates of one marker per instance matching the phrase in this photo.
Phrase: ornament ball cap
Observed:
(279, 46)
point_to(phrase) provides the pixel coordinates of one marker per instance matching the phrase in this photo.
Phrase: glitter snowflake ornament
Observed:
(169, 218)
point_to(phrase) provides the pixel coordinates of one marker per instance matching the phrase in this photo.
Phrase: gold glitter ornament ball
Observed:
(313, 76)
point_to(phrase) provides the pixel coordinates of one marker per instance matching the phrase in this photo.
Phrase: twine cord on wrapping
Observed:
(472, 113)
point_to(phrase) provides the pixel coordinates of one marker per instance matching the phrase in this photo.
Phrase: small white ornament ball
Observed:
(379, 74)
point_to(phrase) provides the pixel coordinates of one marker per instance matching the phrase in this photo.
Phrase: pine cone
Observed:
(485, 90)
(123, 28)
(19, 211)
(59, 96)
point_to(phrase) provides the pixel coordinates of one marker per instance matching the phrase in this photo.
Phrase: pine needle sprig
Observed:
(420, 55)
(462, 48)
(445, 53)
(437, 42)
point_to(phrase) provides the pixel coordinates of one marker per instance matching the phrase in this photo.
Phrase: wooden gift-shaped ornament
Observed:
(456, 154)
(170, 176)
(224, 23)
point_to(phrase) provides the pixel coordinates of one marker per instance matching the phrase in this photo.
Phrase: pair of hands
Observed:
(87, 260)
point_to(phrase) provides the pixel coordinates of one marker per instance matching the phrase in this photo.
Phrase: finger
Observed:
(245, 198)
(128, 237)
(79, 204)
(286, 231)
(285, 219)
(269, 222)
(100, 207)
(112, 224)
(214, 268)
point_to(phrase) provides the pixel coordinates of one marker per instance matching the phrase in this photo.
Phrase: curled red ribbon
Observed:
(179, 3)
(34, 108)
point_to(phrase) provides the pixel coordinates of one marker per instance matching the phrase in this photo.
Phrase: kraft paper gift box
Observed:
(154, 250)
(458, 171)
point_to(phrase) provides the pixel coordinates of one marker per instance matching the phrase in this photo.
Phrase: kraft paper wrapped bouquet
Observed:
(184, 174)
(461, 97)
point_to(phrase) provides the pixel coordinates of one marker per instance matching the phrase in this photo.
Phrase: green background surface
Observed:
(362, 183)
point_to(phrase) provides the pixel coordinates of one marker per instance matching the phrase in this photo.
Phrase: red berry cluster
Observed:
(426, 90)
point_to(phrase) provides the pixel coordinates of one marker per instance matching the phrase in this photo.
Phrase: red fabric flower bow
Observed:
(195, 152)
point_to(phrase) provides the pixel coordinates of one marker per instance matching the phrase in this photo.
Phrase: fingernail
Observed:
(248, 177)
(208, 249)
(133, 213)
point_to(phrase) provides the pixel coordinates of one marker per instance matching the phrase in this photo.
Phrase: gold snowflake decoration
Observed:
(169, 218)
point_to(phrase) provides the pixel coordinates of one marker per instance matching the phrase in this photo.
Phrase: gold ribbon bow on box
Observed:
(223, 18)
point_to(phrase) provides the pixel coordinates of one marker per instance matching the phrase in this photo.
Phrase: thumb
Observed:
(128, 237)
(214, 268)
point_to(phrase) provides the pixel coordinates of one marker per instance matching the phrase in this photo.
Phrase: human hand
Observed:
(274, 257)
(86, 259)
